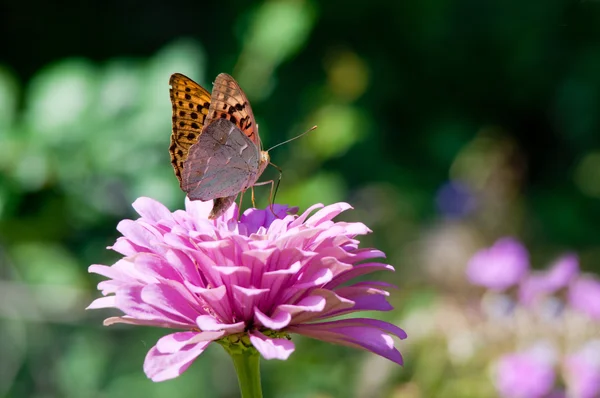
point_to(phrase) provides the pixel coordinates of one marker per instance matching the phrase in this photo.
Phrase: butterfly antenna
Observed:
(291, 139)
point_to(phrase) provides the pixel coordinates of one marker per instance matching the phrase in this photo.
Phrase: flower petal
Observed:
(277, 322)
(129, 300)
(584, 295)
(356, 271)
(499, 267)
(142, 322)
(164, 366)
(327, 213)
(524, 375)
(175, 342)
(102, 302)
(211, 324)
(171, 299)
(367, 334)
(197, 209)
(151, 210)
(321, 303)
(139, 235)
(271, 348)
(302, 218)
(365, 298)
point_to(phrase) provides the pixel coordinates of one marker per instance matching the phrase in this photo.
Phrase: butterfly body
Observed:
(215, 148)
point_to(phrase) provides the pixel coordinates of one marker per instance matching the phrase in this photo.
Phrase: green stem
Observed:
(247, 367)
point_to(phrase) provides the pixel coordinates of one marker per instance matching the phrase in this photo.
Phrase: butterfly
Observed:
(215, 147)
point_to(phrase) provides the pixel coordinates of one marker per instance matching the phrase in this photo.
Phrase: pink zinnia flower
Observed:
(251, 282)
(499, 267)
(528, 374)
(561, 273)
(584, 296)
(582, 371)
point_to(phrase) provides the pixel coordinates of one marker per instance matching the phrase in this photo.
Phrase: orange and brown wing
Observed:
(190, 106)
(228, 101)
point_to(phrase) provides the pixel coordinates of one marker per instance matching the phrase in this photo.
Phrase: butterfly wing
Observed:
(228, 101)
(221, 164)
(190, 106)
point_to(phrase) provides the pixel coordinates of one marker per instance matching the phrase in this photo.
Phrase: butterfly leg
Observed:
(277, 186)
(273, 185)
(239, 210)
(270, 194)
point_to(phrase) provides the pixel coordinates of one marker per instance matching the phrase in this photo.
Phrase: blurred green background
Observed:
(446, 124)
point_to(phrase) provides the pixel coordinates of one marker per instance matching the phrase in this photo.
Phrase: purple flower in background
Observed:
(584, 295)
(455, 199)
(499, 267)
(525, 375)
(561, 273)
(556, 394)
(248, 282)
(582, 372)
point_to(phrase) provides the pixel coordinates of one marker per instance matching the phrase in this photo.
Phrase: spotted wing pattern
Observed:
(228, 101)
(190, 104)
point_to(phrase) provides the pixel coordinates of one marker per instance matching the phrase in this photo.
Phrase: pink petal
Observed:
(366, 297)
(298, 240)
(123, 270)
(345, 230)
(300, 219)
(336, 266)
(208, 323)
(173, 299)
(102, 302)
(184, 265)
(141, 322)
(232, 275)
(563, 271)
(271, 348)
(275, 279)
(216, 299)
(499, 267)
(160, 367)
(356, 271)
(313, 275)
(129, 300)
(175, 342)
(327, 213)
(197, 209)
(318, 305)
(256, 260)
(151, 209)
(276, 322)
(524, 375)
(584, 295)
(367, 334)
(246, 300)
(126, 247)
(366, 254)
(155, 268)
(139, 235)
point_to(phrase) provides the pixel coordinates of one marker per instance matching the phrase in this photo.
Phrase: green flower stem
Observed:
(247, 367)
